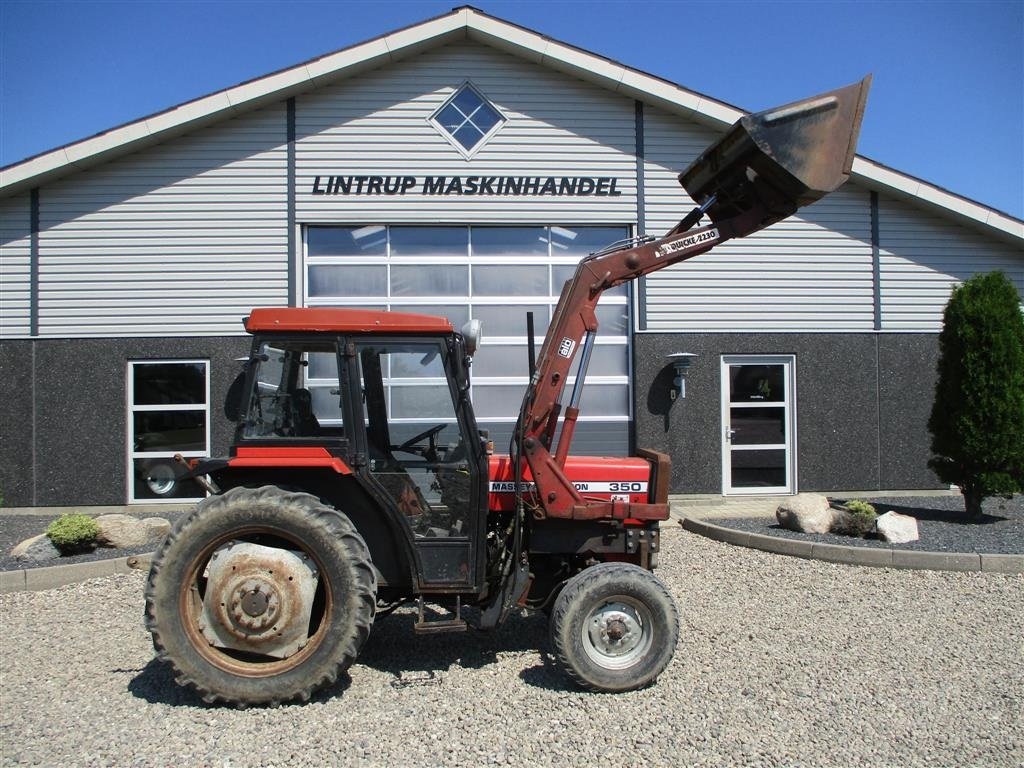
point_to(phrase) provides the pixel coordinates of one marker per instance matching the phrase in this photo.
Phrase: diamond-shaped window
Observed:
(467, 119)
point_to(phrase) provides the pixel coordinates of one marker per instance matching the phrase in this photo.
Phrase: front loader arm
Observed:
(764, 169)
(572, 331)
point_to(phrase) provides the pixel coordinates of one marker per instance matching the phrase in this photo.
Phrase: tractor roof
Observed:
(343, 321)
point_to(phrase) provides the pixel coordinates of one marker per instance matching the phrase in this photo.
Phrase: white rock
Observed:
(806, 512)
(896, 528)
(38, 549)
(121, 531)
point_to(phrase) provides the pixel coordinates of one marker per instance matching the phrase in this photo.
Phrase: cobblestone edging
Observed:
(876, 557)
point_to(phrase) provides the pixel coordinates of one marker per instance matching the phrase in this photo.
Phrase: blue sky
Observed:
(947, 103)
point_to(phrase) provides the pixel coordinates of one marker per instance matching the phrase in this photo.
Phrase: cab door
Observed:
(422, 454)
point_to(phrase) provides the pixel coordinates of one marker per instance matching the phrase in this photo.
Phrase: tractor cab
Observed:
(371, 409)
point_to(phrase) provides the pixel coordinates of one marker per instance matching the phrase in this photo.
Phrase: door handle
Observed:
(729, 432)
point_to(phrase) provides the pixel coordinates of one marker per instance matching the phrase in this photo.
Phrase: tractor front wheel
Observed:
(260, 596)
(614, 627)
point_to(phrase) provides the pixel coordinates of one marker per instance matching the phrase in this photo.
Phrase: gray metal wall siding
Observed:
(811, 272)
(923, 255)
(183, 238)
(671, 143)
(377, 124)
(15, 266)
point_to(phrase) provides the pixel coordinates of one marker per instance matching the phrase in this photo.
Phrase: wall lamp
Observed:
(681, 365)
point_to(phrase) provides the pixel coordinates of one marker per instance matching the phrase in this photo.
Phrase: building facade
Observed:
(462, 167)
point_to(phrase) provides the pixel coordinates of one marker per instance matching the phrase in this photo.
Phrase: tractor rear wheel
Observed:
(260, 596)
(614, 627)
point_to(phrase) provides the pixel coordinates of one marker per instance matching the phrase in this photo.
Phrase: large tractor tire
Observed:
(260, 596)
(614, 627)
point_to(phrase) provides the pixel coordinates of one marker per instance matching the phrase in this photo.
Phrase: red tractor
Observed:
(329, 510)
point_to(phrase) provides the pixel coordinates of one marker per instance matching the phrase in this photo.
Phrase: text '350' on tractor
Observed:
(334, 505)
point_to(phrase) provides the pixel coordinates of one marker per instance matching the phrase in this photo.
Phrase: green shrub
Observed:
(977, 419)
(73, 533)
(855, 518)
(859, 507)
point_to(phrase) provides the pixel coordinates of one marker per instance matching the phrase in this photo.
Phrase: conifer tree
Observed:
(977, 419)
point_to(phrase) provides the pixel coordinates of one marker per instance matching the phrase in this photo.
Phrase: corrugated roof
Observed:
(461, 23)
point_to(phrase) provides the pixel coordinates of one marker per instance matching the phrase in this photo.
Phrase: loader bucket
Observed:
(772, 163)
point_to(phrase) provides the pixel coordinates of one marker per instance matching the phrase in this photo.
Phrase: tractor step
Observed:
(425, 627)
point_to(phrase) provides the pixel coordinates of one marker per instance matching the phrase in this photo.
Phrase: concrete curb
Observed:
(48, 577)
(875, 557)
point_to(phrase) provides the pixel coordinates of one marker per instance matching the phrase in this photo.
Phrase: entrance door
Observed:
(758, 426)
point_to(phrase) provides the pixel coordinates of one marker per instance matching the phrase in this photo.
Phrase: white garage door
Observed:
(497, 275)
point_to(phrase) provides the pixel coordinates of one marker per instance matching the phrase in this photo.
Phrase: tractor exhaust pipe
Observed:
(772, 163)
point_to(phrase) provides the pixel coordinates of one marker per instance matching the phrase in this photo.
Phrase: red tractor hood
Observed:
(597, 478)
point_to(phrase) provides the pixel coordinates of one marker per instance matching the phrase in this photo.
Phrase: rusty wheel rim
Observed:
(190, 610)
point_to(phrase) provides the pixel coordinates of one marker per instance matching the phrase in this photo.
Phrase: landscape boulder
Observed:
(38, 549)
(806, 512)
(124, 531)
(156, 528)
(896, 528)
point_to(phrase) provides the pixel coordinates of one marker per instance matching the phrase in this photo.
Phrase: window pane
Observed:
(322, 365)
(759, 469)
(169, 383)
(271, 369)
(326, 403)
(347, 241)
(503, 280)
(500, 400)
(509, 241)
(429, 241)
(338, 280)
(169, 430)
(433, 401)
(591, 438)
(604, 400)
(612, 319)
(467, 101)
(485, 118)
(160, 479)
(756, 382)
(605, 360)
(451, 118)
(296, 384)
(510, 319)
(582, 241)
(417, 361)
(501, 360)
(434, 280)
(458, 315)
(468, 135)
(758, 426)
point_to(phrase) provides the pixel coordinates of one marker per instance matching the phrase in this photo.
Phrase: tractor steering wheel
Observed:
(409, 445)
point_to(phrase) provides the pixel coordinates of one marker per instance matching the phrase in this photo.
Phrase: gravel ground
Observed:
(782, 661)
(940, 523)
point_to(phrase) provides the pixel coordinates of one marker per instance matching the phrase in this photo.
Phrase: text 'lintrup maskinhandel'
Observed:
(556, 186)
